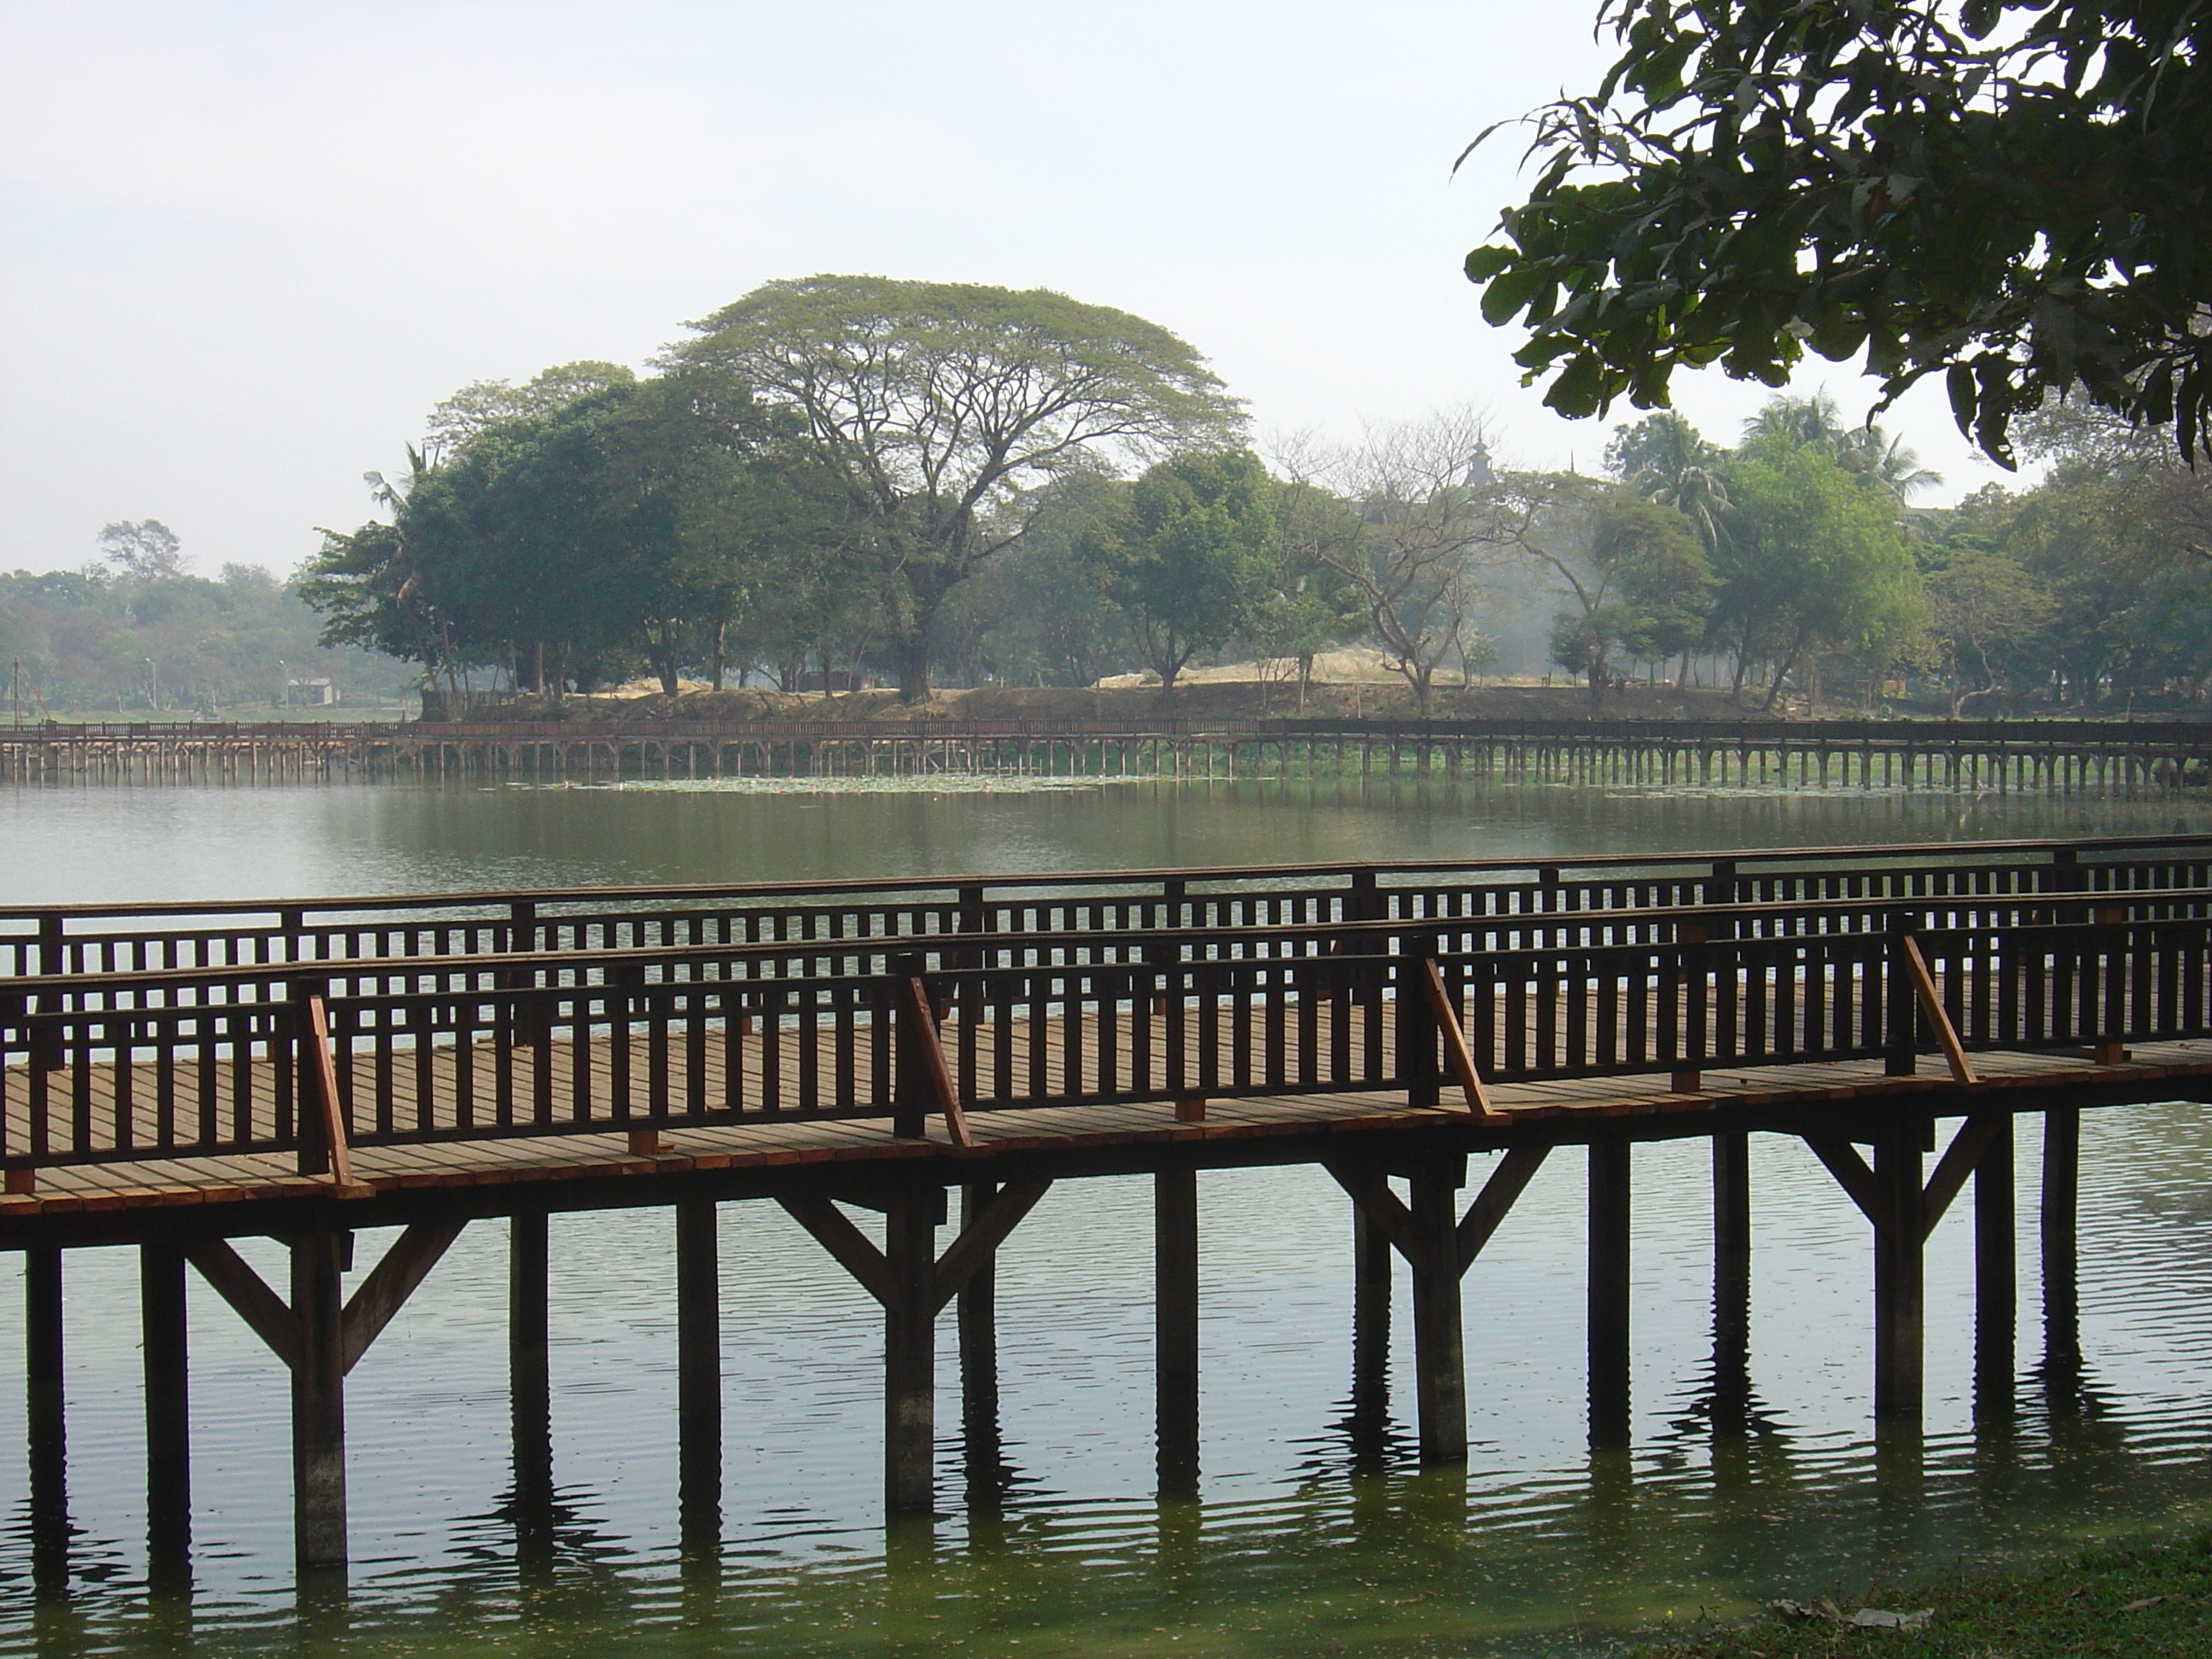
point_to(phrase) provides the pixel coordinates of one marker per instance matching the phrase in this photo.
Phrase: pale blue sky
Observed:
(244, 246)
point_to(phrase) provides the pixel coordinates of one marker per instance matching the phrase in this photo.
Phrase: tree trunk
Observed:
(912, 654)
(1782, 676)
(720, 664)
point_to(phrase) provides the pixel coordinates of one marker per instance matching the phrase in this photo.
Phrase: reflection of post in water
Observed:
(1174, 1241)
(168, 1419)
(1899, 1468)
(46, 1421)
(1369, 1417)
(910, 1554)
(1996, 1282)
(1731, 1406)
(2060, 1226)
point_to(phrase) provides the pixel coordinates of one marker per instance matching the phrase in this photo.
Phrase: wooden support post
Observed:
(1609, 1300)
(319, 1473)
(1439, 1351)
(910, 1348)
(168, 1418)
(1996, 1282)
(698, 1376)
(46, 1421)
(1371, 1339)
(1417, 1067)
(1731, 1285)
(1899, 1229)
(529, 1379)
(1174, 1353)
(2059, 1224)
(912, 1285)
(976, 1315)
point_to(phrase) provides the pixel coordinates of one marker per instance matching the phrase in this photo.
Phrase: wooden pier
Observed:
(2061, 756)
(174, 1077)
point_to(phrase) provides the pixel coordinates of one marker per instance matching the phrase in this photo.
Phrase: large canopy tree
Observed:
(2011, 194)
(940, 406)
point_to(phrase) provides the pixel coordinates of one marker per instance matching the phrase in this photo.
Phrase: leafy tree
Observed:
(2008, 193)
(1304, 603)
(147, 551)
(643, 519)
(2115, 538)
(1817, 563)
(1187, 553)
(1981, 601)
(1039, 612)
(487, 402)
(84, 637)
(1636, 572)
(940, 406)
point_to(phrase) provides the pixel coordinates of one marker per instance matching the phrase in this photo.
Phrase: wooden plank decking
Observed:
(1539, 1109)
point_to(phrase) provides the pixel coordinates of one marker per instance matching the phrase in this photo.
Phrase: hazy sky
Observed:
(245, 246)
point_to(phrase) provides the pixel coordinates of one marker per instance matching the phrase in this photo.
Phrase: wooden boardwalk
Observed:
(312, 1070)
(1550, 1111)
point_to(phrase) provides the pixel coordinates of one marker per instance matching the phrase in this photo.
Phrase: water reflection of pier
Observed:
(175, 1077)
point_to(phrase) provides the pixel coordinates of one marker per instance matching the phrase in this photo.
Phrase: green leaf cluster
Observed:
(2011, 195)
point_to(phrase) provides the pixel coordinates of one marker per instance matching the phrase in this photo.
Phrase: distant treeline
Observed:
(845, 476)
(135, 629)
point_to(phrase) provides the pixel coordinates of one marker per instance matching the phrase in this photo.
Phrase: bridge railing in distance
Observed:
(127, 938)
(124, 1067)
(861, 953)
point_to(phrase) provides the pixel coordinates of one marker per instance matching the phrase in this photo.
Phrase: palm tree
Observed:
(1889, 462)
(1814, 421)
(1663, 458)
(1866, 451)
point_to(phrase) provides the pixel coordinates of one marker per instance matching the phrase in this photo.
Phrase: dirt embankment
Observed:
(1215, 699)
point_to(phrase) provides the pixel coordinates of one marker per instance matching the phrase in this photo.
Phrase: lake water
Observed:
(1303, 1539)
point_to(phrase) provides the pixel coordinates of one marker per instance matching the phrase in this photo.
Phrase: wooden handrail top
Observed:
(903, 944)
(1659, 864)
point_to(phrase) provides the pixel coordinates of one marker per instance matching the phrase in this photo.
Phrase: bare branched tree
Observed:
(1438, 521)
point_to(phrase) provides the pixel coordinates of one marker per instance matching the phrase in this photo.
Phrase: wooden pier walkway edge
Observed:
(110, 1203)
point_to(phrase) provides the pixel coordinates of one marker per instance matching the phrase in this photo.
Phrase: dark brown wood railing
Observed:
(319, 1058)
(145, 938)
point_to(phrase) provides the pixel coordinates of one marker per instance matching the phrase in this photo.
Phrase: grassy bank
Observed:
(2133, 1600)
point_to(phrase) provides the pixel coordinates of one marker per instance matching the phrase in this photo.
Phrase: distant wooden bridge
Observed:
(175, 1076)
(2060, 757)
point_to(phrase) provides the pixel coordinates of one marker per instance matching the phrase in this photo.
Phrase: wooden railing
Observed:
(146, 938)
(321, 1058)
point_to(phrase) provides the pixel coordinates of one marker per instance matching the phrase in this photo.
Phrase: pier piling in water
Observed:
(530, 1380)
(699, 1374)
(1175, 1354)
(165, 1365)
(1610, 1294)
